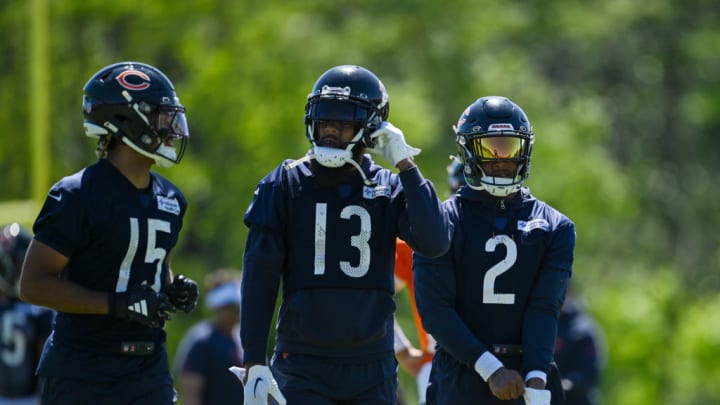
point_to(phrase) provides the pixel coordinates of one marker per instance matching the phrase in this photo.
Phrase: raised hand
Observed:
(390, 143)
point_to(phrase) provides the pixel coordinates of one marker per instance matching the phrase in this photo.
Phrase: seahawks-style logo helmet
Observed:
(491, 132)
(136, 104)
(14, 241)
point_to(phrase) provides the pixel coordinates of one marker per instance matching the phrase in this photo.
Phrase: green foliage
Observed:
(622, 95)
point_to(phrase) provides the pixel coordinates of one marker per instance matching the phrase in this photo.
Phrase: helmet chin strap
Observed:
(335, 157)
(161, 161)
(497, 186)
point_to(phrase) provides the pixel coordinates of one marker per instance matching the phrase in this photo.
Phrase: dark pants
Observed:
(311, 380)
(453, 383)
(139, 389)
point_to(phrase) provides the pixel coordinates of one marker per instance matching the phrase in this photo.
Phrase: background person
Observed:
(23, 327)
(579, 353)
(211, 346)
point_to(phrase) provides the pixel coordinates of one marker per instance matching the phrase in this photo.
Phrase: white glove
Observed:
(390, 143)
(536, 397)
(260, 384)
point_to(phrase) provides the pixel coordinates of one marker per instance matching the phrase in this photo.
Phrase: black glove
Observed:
(142, 304)
(183, 293)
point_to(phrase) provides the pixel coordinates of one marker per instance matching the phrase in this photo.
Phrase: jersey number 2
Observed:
(489, 294)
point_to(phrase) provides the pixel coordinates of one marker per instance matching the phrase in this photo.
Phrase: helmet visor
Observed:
(338, 110)
(171, 122)
(171, 126)
(498, 147)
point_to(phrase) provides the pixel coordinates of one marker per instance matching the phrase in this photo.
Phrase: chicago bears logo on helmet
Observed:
(122, 78)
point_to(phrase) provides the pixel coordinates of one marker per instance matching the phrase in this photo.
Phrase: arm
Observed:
(434, 281)
(42, 273)
(545, 303)
(262, 264)
(424, 224)
(435, 296)
(192, 385)
(409, 357)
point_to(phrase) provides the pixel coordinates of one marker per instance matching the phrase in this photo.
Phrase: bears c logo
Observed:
(144, 81)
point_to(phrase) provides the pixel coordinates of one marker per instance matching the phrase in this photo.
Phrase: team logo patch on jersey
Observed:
(374, 192)
(528, 226)
(170, 205)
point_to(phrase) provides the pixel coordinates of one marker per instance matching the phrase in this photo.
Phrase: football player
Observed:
(492, 301)
(23, 327)
(325, 225)
(101, 252)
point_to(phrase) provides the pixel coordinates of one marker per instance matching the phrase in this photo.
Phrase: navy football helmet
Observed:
(456, 175)
(14, 241)
(495, 139)
(348, 93)
(136, 104)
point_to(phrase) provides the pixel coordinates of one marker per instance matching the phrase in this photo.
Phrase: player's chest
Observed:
(494, 242)
(338, 215)
(142, 217)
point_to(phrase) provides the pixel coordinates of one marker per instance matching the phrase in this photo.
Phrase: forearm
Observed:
(63, 295)
(191, 385)
(405, 165)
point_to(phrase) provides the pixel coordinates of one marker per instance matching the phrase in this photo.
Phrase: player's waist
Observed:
(507, 350)
(343, 353)
(141, 343)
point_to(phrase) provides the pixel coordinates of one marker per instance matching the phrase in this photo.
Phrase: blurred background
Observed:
(624, 97)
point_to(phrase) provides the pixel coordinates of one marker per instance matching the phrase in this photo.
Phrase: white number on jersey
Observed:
(153, 254)
(358, 241)
(13, 341)
(489, 294)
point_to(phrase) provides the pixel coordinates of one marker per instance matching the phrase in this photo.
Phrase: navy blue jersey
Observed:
(503, 281)
(334, 248)
(207, 351)
(23, 330)
(114, 235)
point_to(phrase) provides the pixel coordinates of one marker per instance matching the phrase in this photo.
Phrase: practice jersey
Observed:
(334, 248)
(115, 236)
(503, 281)
(404, 279)
(23, 330)
(207, 351)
